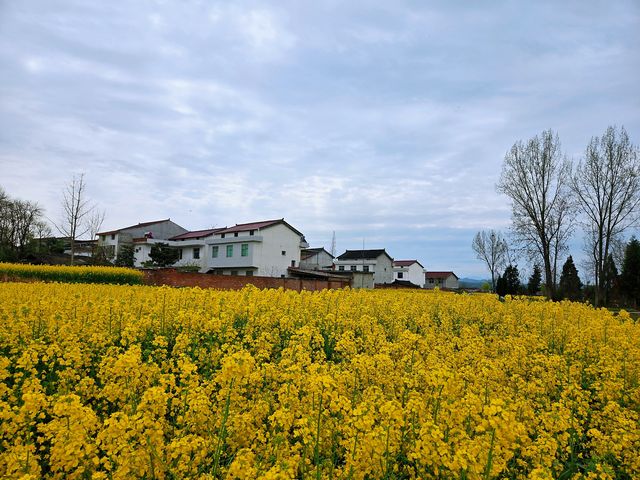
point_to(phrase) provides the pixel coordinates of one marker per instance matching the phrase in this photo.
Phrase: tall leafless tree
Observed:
(76, 211)
(535, 176)
(606, 184)
(492, 249)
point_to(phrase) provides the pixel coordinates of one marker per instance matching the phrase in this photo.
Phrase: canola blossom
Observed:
(70, 274)
(126, 382)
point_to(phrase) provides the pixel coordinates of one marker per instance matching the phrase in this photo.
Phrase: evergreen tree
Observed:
(630, 277)
(570, 284)
(512, 280)
(163, 255)
(126, 256)
(609, 280)
(533, 287)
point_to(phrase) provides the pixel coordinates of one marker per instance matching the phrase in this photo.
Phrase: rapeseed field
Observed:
(126, 382)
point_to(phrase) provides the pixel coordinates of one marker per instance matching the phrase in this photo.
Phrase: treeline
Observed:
(552, 197)
(23, 229)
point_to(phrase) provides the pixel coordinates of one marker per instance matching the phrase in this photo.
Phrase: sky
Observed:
(386, 122)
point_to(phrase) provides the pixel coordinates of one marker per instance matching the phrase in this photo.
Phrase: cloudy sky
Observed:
(384, 121)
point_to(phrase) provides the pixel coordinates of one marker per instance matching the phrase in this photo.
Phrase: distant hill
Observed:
(472, 282)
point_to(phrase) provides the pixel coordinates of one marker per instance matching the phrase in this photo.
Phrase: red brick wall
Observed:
(174, 278)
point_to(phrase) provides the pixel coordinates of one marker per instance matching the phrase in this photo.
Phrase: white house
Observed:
(112, 240)
(316, 259)
(409, 270)
(377, 261)
(441, 280)
(191, 247)
(266, 248)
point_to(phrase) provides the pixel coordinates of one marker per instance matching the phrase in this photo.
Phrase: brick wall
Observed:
(174, 278)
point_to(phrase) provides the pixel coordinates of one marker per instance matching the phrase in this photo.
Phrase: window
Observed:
(235, 234)
(400, 274)
(113, 236)
(249, 273)
(229, 250)
(103, 237)
(284, 252)
(365, 268)
(222, 235)
(341, 268)
(214, 251)
(293, 263)
(196, 252)
(354, 268)
(251, 232)
(431, 280)
(234, 272)
(244, 250)
(180, 253)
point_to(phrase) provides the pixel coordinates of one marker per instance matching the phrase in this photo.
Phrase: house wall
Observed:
(382, 267)
(319, 260)
(268, 254)
(450, 282)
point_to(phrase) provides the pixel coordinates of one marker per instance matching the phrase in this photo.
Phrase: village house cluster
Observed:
(270, 248)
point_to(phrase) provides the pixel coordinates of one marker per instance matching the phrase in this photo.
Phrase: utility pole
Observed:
(333, 245)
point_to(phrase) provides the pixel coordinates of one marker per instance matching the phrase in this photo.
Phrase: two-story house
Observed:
(409, 270)
(112, 240)
(266, 248)
(377, 261)
(441, 280)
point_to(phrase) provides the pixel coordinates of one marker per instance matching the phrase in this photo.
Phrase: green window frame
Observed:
(214, 251)
(244, 250)
(229, 250)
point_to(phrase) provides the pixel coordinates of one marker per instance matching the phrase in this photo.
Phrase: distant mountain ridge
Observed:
(472, 282)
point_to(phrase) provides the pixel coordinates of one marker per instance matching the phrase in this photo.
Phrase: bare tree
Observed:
(606, 184)
(76, 211)
(535, 175)
(95, 221)
(492, 249)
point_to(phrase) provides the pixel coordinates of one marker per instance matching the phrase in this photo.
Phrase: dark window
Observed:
(284, 252)
(249, 273)
(113, 236)
(431, 280)
(234, 272)
(341, 268)
(235, 234)
(293, 263)
(399, 274)
(196, 252)
(365, 268)
(222, 235)
(353, 268)
(251, 232)
(180, 253)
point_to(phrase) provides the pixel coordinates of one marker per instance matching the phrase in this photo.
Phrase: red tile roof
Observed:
(143, 224)
(439, 274)
(245, 227)
(405, 263)
(197, 234)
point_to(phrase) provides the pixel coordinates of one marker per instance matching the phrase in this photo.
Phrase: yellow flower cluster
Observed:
(70, 274)
(121, 382)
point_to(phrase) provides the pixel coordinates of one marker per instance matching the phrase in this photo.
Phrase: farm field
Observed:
(106, 381)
